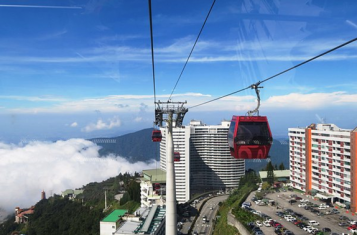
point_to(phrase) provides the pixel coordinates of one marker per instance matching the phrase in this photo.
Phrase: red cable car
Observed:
(157, 186)
(176, 156)
(249, 137)
(156, 136)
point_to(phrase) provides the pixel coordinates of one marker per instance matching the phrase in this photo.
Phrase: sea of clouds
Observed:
(28, 168)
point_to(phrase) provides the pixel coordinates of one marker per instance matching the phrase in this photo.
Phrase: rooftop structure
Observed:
(146, 220)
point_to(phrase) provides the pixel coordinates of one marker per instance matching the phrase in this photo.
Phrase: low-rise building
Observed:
(72, 194)
(111, 222)
(21, 215)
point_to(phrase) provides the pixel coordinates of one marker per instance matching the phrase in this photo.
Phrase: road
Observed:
(209, 210)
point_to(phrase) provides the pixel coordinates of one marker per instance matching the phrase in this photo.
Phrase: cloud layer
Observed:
(29, 168)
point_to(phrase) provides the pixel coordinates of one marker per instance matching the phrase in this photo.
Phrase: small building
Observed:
(153, 187)
(72, 194)
(280, 176)
(21, 215)
(111, 222)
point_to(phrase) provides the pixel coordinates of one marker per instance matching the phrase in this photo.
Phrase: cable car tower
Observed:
(172, 113)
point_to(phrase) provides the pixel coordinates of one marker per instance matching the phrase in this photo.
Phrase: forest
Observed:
(62, 216)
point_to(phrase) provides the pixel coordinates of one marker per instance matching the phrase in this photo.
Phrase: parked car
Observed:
(343, 224)
(313, 223)
(353, 222)
(302, 205)
(266, 223)
(335, 211)
(259, 223)
(292, 201)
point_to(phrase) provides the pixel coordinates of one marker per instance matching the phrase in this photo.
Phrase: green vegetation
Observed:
(62, 216)
(221, 226)
(247, 184)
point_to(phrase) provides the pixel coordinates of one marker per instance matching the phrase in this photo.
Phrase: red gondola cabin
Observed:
(156, 136)
(249, 137)
(176, 156)
(157, 186)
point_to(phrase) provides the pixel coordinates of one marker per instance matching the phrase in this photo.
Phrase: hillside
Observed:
(136, 146)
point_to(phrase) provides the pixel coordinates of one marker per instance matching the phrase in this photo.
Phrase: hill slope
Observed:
(136, 146)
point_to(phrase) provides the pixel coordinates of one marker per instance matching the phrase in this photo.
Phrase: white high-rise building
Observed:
(323, 159)
(205, 161)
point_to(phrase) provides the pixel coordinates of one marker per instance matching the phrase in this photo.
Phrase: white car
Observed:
(304, 200)
(313, 222)
(258, 223)
(286, 217)
(307, 227)
(266, 223)
(302, 205)
(291, 219)
(312, 229)
(353, 222)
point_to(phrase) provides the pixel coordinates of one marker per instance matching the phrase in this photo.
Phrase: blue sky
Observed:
(83, 68)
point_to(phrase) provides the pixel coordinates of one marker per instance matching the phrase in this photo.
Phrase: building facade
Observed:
(205, 160)
(153, 187)
(323, 159)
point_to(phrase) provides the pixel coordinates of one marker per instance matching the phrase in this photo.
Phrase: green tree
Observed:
(265, 186)
(270, 173)
(281, 166)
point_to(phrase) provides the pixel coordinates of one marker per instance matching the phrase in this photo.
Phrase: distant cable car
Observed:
(157, 186)
(249, 137)
(176, 156)
(156, 136)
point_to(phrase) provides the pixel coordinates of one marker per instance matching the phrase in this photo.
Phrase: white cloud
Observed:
(138, 119)
(35, 166)
(101, 125)
(130, 104)
(106, 104)
(312, 100)
(74, 124)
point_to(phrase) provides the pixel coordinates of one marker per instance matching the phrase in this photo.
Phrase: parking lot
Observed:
(281, 199)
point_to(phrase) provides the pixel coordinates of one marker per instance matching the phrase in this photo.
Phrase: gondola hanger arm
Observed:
(256, 88)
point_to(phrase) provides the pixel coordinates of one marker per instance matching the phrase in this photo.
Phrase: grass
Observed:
(222, 226)
(131, 206)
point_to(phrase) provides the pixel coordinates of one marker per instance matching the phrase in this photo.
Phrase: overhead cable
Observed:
(269, 78)
(188, 58)
(152, 51)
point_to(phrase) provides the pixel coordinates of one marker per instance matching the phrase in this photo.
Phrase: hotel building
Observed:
(323, 159)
